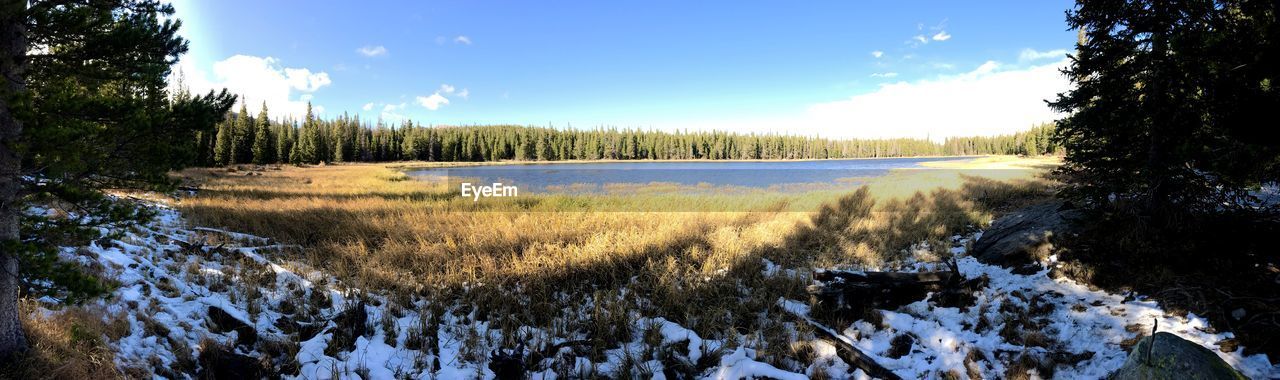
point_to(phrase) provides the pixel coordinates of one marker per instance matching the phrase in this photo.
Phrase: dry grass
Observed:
(66, 344)
(537, 259)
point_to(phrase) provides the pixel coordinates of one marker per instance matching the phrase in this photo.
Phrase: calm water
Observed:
(610, 176)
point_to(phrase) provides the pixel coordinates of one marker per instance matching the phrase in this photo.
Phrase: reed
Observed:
(536, 260)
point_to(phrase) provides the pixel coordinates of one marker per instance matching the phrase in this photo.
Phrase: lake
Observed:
(614, 176)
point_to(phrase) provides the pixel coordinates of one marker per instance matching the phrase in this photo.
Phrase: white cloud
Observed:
(372, 51)
(988, 100)
(432, 102)
(877, 54)
(884, 75)
(1028, 55)
(924, 38)
(303, 79)
(391, 112)
(258, 79)
(387, 111)
(438, 99)
(462, 40)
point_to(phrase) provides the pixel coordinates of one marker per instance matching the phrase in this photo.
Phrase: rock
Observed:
(305, 331)
(1025, 236)
(220, 321)
(1228, 345)
(218, 362)
(1172, 357)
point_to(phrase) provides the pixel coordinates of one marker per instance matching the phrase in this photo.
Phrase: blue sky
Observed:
(840, 69)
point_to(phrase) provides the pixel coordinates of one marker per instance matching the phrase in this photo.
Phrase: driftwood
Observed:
(844, 296)
(848, 296)
(850, 354)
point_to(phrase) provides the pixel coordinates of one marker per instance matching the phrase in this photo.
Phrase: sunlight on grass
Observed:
(531, 258)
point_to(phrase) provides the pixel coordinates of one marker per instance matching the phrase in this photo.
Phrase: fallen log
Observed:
(889, 278)
(848, 296)
(846, 351)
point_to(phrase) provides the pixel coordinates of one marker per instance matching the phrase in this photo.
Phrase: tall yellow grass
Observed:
(527, 260)
(67, 344)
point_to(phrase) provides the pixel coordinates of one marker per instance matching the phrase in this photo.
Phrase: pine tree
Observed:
(339, 150)
(107, 62)
(222, 146)
(544, 148)
(1167, 97)
(295, 152)
(346, 139)
(309, 145)
(284, 142)
(242, 137)
(262, 144)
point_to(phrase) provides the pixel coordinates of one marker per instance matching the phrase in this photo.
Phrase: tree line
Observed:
(258, 139)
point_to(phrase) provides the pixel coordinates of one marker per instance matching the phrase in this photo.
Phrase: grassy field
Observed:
(550, 262)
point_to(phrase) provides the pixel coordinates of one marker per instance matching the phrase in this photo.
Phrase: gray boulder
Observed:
(1025, 236)
(1172, 357)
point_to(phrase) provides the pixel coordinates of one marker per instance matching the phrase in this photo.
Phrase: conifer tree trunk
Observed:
(1160, 106)
(13, 47)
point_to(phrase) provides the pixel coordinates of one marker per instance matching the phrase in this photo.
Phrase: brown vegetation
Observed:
(67, 344)
(529, 262)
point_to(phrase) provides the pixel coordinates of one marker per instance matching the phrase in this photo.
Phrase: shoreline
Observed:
(410, 165)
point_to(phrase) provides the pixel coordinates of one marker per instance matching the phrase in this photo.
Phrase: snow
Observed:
(233, 235)
(162, 284)
(674, 333)
(1081, 321)
(738, 365)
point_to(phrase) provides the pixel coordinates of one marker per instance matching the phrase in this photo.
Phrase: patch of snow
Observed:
(1081, 321)
(168, 284)
(739, 365)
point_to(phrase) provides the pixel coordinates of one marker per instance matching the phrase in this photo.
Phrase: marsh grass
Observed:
(67, 344)
(548, 261)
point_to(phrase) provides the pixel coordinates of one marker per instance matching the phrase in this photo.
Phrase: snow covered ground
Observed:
(173, 276)
(1068, 321)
